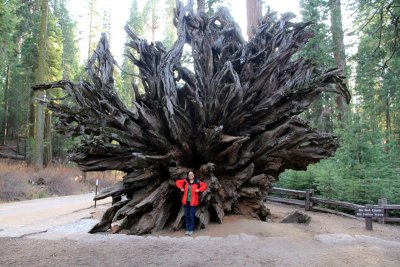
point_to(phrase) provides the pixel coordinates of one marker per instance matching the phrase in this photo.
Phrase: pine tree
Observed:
(170, 30)
(254, 8)
(136, 22)
(70, 54)
(319, 49)
(338, 47)
(40, 77)
(9, 21)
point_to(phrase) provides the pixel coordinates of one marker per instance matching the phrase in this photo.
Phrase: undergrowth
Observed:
(18, 181)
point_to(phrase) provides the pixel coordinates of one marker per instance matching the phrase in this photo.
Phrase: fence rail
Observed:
(307, 200)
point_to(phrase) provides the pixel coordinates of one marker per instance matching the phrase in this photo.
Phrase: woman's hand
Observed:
(197, 190)
(182, 189)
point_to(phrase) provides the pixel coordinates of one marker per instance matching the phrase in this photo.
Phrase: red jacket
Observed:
(194, 196)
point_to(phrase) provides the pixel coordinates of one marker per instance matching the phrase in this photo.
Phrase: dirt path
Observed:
(27, 217)
(57, 236)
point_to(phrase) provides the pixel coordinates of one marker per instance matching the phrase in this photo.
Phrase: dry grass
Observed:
(16, 181)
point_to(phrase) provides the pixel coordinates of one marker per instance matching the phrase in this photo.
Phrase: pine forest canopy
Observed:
(232, 119)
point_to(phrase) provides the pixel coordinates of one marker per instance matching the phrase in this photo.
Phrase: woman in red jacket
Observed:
(191, 189)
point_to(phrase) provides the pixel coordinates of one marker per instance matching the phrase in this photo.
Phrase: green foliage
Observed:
(70, 57)
(170, 31)
(9, 20)
(362, 171)
(125, 79)
(19, 28)
(213, 5)
(319, 48)
(366, 166)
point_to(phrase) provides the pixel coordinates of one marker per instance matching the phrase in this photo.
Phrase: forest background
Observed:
(41, 42)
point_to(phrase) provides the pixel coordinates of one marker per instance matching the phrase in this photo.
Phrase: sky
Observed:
(118, 10)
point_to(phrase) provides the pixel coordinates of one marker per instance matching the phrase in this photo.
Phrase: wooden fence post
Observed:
(382, 203)
(309, 204)
(368, 220)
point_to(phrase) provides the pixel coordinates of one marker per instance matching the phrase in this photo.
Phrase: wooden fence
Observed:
(307, 200)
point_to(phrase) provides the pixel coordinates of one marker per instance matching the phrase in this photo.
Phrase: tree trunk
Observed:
(338, 48)
(39, 133)
(388, 127)
(232, 119)
(5, 110)
(92, 6)
(48, 147)
(30, 146)
(40, 76)
(254, 15)
(17, 130)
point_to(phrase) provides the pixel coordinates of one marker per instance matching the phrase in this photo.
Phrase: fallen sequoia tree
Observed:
(231, 118)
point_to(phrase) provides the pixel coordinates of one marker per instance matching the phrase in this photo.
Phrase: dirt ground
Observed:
(53, 232)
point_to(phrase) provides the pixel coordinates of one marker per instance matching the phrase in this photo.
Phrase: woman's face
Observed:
(191, 175)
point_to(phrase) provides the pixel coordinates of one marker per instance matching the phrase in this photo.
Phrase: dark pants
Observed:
(190, 211)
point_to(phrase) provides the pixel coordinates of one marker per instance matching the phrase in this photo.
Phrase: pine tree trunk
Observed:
(387, 116)
(232, 119)
(48, 147)
(17, 129)
(338, 50)
(5, 108)
(92, 6)
(30, 146)
(254, 15)
(153, 21)
(40, 76)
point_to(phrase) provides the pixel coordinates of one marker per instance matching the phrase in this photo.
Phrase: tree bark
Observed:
(48, 145)
(5, 110)
(254, 15)
(232, 119)
(338, 48)
(40, 76)
(92, 7)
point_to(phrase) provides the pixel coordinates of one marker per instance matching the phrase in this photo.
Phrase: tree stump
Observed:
(231, 118)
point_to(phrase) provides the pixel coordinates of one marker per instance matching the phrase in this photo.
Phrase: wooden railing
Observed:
(307, 200)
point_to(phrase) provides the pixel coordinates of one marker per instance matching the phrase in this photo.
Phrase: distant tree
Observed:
(151, 17)
(254, 8)
(9, 21)
(384, 17)
(95, 25)
(338, 47)
(70, 54)
(319, 48)
(136, 23)
(170, 30)
(40, 77)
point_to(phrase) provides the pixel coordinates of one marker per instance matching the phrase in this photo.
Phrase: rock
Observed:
(296, 217)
